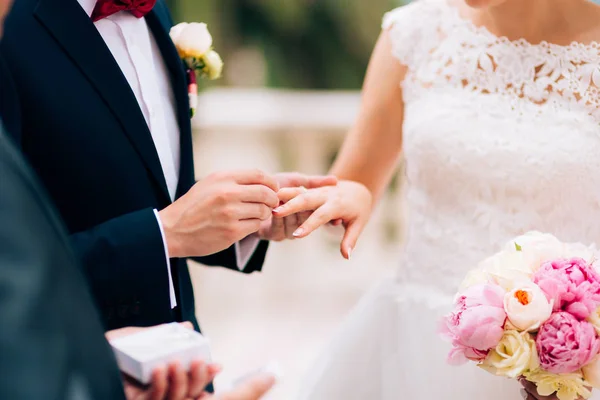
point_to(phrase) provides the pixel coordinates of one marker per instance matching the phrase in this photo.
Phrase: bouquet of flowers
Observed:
(532, 311)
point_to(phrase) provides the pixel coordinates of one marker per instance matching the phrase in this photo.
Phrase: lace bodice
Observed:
(500, 137)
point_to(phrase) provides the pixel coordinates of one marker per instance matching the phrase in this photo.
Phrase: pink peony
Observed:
(573, 285)
(565, 344)
(477, 323)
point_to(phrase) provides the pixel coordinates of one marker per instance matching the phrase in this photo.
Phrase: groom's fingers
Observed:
(294, 179)
(259, 194)
(255, 177)
(247, 227)
(291, 223)
(252, 211)
(278, 227)
(303, 217)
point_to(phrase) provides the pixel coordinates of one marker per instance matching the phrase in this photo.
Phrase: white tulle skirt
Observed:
(389, 349)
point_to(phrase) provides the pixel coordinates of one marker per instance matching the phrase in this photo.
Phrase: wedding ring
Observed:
(304, 190)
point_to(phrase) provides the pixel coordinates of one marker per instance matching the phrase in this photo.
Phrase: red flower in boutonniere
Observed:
(194, 44)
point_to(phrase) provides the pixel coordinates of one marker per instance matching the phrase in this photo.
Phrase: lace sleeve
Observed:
(412, 29)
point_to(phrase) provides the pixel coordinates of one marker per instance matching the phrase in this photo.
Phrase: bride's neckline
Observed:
(458, 17)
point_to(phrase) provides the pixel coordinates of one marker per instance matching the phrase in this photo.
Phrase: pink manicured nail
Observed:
(349, 253)
(299, 232)
(278, 210)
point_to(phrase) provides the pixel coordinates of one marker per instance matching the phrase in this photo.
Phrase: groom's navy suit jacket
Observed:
(85, 135)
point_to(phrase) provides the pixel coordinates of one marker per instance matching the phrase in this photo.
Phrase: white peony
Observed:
(521, 258)
(193, 40)
(527, 307)
(474, 277)
(535, 240)
(537, 248)
(578, 250)
(508, 269)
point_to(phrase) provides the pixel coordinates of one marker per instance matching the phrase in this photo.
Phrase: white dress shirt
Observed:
(133, 46)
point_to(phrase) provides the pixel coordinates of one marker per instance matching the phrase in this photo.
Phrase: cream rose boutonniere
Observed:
(194, 45)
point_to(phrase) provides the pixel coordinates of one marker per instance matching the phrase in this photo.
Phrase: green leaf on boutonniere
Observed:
(519, 248)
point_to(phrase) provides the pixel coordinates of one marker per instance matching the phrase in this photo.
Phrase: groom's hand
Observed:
(278, 229)
(219, 211)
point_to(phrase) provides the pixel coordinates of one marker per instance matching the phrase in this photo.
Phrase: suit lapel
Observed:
(74, 31)
(158, 22)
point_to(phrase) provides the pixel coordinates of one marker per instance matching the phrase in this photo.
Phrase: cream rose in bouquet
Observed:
(532, 311)
(194, 45)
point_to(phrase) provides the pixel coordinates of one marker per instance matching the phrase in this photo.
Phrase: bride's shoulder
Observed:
(414, 13)
(414, 28)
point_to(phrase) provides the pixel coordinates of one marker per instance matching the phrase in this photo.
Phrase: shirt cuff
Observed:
(172, 296)
(244, 250)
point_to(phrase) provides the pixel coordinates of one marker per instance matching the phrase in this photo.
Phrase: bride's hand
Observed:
(350, 202)
(529, 392)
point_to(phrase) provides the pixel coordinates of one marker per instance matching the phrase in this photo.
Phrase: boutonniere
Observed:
(194, 45)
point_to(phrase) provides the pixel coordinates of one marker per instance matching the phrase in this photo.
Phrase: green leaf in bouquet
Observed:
(519, 248)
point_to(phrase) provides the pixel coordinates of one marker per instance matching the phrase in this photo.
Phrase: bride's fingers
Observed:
(353, 231)
(287, 194)
(318, 218)
(309, 201)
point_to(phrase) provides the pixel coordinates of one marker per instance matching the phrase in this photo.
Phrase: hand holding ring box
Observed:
(140, 353)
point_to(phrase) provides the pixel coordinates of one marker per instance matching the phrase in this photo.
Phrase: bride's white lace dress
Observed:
(500, 137)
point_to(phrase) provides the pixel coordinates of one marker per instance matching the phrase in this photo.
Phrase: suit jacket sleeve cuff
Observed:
(172, 297)
(244, 250)
(228, 259)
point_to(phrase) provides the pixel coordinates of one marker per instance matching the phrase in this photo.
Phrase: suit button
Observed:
(123, 311)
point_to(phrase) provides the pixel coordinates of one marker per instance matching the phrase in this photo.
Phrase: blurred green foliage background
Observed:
(297, 44)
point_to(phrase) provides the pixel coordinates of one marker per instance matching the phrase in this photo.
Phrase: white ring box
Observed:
(140, 353)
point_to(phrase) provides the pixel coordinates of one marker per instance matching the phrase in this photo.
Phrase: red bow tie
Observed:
(106, 8)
